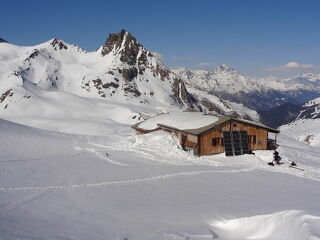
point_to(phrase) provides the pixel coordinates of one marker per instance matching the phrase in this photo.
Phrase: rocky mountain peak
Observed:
(123, 43)
(58, 44)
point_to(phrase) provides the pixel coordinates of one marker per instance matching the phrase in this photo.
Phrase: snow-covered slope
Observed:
(61, 186)
(304, 130)
(306, 125)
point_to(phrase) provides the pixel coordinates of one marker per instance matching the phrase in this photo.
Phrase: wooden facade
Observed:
(257, 136)
(211, 140)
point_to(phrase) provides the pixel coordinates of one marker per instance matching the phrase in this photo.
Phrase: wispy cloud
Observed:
(183, 58)
(158, 55)
(290, 66)
(204, 64)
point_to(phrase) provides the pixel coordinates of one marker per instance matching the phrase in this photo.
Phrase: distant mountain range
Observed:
(258, 94)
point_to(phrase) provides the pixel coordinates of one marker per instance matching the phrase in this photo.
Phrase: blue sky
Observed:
(256, 37)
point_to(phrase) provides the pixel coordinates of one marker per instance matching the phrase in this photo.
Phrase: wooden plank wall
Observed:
(206, 139)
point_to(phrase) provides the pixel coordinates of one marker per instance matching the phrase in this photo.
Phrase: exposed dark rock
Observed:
(130, 49)
(142, 62)
(99, 85)
(163, 72)
(129, 74)
(33, 55)
(180, 93)
(208, 104)
(111, 72)
(132, 90)
(6, 94)
(58, 44)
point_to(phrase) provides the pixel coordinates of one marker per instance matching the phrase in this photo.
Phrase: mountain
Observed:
(221, 79)
(280, 115)
(259, 94)
(289, 112)
(56, 80)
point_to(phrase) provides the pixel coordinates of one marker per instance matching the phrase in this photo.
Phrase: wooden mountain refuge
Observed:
(209, 134)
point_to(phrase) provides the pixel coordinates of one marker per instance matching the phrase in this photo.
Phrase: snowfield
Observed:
(304, 130)
(124, 186)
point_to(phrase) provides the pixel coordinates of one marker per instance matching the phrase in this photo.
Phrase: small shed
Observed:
(211, 134)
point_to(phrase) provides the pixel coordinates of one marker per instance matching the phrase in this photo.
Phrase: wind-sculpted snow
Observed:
(127, 186)
(292, 224)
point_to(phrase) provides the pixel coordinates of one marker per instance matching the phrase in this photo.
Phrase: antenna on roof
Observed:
(204, 111)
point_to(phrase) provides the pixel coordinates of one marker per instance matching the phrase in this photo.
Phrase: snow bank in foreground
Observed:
(293, 225)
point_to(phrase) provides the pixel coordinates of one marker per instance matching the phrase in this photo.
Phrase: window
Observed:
(217, 141)
(234, 125)
(214, 142)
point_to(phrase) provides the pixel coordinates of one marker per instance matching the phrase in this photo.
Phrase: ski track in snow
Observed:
(121, 182)
(259, 163)
(126, 149)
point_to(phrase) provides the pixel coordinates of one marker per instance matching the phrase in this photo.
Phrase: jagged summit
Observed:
(122, 42)
(115, 40)
(58, 44)
(3, 41)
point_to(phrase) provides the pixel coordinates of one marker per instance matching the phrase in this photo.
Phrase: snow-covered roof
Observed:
(192, 122)
(180, 121)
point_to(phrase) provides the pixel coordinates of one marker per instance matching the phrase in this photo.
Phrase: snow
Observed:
(290, 224)
(226, 79)
(304, 130)
(74, 169)
(179, 120)
(313, 102)
(127, 186)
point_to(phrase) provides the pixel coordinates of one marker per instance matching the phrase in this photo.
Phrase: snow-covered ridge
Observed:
(223, 78)
(313, 102)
